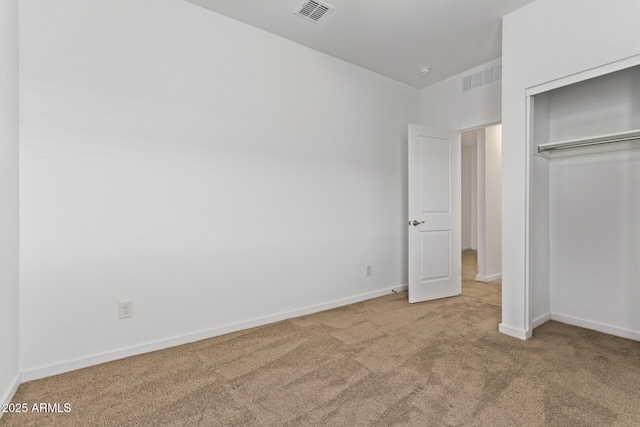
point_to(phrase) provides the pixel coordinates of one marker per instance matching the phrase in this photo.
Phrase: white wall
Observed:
(493, 202)
(211, 172)
(468, 190)
(597, 106)
(595, 241)
(466, 197)
(9, 344)
(481, 205)
(442, 105)
(536, 43)
(474, 197)
(539, 234)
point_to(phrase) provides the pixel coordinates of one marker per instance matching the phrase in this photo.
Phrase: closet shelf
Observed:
(597, 144)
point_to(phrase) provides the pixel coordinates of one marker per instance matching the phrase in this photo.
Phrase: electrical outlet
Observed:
(369, 268)
(126, 309)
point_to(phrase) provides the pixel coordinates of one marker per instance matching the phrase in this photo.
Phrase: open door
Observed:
(434, 213)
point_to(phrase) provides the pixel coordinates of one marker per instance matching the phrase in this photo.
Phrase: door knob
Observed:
(417, 222)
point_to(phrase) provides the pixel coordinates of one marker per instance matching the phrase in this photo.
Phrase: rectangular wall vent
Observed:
(313, 10)
(486, 75)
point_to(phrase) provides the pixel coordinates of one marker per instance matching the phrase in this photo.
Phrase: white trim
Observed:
(600, 327)
(513, 332)
(72, 365)
(529, 110)
(487, 279)
(498, 121)
(584, 75)
(8, 395)
(539, 321)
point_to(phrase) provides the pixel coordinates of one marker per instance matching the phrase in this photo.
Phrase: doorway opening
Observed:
(481, 206)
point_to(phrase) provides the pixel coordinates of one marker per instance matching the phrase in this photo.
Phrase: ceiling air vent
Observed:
(313, 10)
(486, 75)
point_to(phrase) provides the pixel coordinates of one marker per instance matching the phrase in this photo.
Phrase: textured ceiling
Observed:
(390, 37)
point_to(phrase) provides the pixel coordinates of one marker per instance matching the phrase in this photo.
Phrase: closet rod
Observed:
(627, 136)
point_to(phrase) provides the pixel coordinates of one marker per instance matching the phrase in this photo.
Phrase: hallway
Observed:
(490, 293)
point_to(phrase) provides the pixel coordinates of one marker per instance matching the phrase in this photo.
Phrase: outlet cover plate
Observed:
(125, 309)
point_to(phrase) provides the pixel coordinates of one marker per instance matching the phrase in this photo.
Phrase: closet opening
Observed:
(583, 240)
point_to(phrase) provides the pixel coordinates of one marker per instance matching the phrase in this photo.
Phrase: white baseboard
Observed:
(540, 320)
(487, 279)
(72, 365)
(600, 327)
(7, 396)
(467, 249)
(514, 332)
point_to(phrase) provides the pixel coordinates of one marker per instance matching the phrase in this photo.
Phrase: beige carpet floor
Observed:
(381, 362)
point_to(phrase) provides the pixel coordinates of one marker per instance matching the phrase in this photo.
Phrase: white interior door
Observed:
(434, 213)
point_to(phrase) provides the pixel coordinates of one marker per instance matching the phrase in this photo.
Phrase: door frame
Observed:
(460, 132)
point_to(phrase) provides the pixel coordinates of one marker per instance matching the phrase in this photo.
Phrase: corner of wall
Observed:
(13, 385)
(9, 125)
